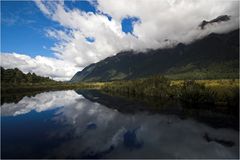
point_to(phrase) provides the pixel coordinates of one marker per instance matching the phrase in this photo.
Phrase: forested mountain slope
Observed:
(213, 57)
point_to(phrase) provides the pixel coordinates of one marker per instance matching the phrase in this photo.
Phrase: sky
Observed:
(59, 38)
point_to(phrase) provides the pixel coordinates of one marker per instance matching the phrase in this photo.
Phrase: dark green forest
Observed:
(15, 76)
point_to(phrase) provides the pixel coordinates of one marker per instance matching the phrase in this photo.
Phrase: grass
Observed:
(212, 83)
(225, 89)
(28, 87)
(192, 92)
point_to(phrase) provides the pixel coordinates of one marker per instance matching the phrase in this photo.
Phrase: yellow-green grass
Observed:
(222, 87)
(212, 83)
(26, 87)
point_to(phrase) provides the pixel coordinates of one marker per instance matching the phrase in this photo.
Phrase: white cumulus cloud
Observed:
(44, 66)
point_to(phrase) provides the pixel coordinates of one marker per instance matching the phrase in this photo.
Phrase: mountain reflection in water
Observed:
(64, 124)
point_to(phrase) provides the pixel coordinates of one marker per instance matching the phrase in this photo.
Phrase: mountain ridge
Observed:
(214, 56)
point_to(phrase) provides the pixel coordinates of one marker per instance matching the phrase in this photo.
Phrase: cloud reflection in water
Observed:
(91, 130)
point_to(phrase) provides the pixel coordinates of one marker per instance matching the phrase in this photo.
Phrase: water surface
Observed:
(70, 124)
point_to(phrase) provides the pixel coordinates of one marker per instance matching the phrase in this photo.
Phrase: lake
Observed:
(89, 124)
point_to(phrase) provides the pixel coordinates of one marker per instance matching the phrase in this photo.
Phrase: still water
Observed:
(69, 124)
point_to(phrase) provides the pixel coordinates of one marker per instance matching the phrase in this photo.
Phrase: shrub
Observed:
(195, 93)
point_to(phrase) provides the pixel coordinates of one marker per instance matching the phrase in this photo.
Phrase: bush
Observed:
(155, 86)
(232, 98)
(194, 93)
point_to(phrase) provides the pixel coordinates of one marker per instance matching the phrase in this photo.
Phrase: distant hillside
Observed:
(15, 76)
(215, 56)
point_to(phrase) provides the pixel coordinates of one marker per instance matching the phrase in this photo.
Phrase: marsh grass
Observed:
(189, 92)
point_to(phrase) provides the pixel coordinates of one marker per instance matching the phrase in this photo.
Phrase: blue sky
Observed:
(23, 27)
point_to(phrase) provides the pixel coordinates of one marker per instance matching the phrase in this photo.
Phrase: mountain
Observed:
(15, 76)
(214, 56)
